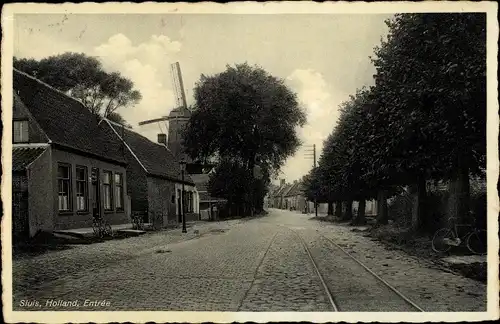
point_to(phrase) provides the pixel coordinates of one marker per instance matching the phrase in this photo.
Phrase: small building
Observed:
(155, 180)
(66, 167)
(209, 205)
(295, 197)
(278, 201)
(287, 197)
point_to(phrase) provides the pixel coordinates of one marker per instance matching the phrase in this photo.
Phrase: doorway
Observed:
(96, 196)
(179, 206)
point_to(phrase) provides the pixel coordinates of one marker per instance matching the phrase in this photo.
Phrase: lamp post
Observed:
(183, 169)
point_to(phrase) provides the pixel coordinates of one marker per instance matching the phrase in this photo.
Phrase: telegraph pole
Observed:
(315, 200)
(308, 155)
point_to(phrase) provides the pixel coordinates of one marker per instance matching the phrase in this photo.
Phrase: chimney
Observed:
(295, 181)
(282, 182)
(162, 139)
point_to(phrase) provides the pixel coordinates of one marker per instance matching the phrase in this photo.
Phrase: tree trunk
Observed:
(330, 208)
(251, 164)
(360, 216)
(382, 215)
(459, 197)
(419, 194)
(338, 209)
(348, 210)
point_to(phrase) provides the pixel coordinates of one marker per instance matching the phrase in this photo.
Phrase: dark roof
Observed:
(281, 190)
(205, 197)
(155, 158)
(201, 181)
(180, 112)
(295, 190)
(23, 156)
(65, 120)
(287, 190)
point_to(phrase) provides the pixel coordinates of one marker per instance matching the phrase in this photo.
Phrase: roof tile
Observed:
(156, 158)
(65, 120)
(23, 156)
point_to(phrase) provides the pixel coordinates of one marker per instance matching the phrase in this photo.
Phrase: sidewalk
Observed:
(35, 270)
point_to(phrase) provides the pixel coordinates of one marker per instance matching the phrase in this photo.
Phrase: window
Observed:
(119, 191)
(189, 203)
(20, 130)
(64, 186)
(108, 194)
(81, 189)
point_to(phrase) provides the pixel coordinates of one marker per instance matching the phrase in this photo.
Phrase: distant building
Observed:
(208, 204)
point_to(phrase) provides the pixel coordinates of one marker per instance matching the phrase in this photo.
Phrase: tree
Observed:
(244, 114)
(433, 122)
(117, 118)
(83, 78)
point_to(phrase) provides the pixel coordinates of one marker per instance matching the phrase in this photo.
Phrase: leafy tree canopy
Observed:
(83, 77)
(244, 113)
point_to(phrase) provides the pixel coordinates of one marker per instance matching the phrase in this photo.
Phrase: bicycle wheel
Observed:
(438, 241)
(95, 228)
(477, 242)
(108, 230)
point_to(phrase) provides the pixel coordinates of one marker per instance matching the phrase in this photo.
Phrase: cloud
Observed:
(148, 66)
(320, 103)
(32, 43)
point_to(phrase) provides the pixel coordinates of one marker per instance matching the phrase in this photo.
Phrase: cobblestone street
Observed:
(259, 264)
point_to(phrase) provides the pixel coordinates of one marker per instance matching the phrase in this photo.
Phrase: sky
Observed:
(323, 58)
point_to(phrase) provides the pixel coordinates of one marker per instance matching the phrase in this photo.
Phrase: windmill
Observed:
(180, 96)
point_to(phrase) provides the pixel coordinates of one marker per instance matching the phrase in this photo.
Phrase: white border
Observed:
(254, 8)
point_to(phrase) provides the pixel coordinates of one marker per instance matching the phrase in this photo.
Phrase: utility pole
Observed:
(315, 200)
(308, 155)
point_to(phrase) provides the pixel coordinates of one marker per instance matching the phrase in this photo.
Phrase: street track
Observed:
(331, 296)
(325, 286)
(397, 292)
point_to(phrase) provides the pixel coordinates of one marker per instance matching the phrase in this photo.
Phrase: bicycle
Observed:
(101, 228)
(137, 222)
(445, 238)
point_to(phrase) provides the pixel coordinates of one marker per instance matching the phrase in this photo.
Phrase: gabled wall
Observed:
(35, 133)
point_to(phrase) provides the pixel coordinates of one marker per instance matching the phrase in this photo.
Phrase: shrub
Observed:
(399, 210)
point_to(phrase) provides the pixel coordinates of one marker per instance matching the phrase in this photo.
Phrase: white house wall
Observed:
(196, 197)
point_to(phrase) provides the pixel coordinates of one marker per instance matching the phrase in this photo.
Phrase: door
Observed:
(179, 206)
(96, 195)
(20, 216)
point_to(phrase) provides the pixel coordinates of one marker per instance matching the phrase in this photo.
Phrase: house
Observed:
(295, 197)
(66, 165)
(278, 195)
(155, 179)
(282, 203)
(287, 197)
(268, 198)
(208, 204)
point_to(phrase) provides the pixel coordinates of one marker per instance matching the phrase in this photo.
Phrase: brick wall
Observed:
(137, 184)
(161, 208)
(41, 193)
(20, 221)
(74, 219)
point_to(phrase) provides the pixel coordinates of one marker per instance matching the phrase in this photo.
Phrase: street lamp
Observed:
(183, 169)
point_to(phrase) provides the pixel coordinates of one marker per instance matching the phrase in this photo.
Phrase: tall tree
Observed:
(436, 117)
(84, 78)
(247, 114)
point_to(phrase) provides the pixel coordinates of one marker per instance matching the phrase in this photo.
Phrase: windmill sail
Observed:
(180, 95)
